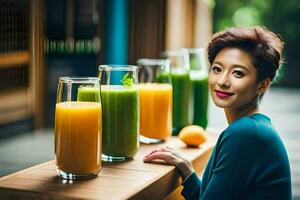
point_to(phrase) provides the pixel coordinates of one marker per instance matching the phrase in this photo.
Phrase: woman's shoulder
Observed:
(256, 126)
(254, 134)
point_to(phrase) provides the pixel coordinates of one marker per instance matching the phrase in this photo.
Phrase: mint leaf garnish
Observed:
(127, 80)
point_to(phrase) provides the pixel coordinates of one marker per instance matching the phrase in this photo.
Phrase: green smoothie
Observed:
(88, 94)
(120, 120)
(181, 95)
(199, 104)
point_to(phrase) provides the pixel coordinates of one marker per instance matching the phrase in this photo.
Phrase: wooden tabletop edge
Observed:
(25, 170)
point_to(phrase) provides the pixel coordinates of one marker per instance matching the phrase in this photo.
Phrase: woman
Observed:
(249, 160)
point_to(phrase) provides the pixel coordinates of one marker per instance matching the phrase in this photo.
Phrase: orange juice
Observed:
(155, 110)
(78, 137)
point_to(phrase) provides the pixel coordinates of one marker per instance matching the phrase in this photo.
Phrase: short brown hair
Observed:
(264, 47)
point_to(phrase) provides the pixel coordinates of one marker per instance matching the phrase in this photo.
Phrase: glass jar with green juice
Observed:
(199, 85)
(120, 100)
(179, 63)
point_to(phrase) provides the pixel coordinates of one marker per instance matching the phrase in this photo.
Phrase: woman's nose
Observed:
(224, 81)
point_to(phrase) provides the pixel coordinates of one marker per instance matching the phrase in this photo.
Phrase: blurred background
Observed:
(41, 40)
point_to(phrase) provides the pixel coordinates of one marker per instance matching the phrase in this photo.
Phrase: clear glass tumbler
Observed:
(181, 88)
(199, 82)
(120, 101)
(155, 91)
(78, 127)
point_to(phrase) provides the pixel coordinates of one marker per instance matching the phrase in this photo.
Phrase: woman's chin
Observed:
(221, 104)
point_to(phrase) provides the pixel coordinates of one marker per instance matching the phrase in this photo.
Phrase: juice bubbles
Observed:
(78, 133)
(156, 110)
(120, 121)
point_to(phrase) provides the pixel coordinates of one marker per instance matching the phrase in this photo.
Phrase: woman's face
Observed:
(232, 79)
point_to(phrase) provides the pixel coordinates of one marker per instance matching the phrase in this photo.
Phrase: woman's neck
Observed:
(246, 110)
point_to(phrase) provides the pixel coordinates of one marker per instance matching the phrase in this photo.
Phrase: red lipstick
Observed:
(223, 94)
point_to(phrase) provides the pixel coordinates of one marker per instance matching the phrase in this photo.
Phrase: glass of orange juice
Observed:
(155, 91)
(78, 127)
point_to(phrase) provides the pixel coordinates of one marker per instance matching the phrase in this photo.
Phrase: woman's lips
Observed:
(223, 94)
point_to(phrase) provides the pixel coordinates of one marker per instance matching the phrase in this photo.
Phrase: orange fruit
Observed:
(193, 135)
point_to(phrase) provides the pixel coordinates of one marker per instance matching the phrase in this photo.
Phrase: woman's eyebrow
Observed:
(234, 66)
(217, 62)
(241, 66)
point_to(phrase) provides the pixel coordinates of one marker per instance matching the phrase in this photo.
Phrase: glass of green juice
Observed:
(181, 87)
(199, 84)
(120, 100)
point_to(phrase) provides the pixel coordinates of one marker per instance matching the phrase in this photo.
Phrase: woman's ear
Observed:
(263, 86)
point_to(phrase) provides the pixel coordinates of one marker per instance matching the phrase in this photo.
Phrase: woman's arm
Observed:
(235, 161)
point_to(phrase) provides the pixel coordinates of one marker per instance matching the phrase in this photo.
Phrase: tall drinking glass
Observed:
(199, 82)
(155, 91)
(120, 101)
(78, 128)
(181, 87)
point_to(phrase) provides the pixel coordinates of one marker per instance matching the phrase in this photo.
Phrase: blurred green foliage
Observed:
(280, 16)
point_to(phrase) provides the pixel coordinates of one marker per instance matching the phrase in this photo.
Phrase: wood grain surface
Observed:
(132, 179)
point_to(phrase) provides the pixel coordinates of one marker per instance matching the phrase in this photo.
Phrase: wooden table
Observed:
(124, 180)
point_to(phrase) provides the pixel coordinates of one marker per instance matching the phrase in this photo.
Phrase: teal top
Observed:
(249, 161)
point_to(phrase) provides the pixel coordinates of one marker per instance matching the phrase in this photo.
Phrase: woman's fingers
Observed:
(157, 155)
(165, 149)
(169, 148)
(161, 149)
(152, 152)
(166, 156)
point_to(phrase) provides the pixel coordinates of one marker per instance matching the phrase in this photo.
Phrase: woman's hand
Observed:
(168, 155)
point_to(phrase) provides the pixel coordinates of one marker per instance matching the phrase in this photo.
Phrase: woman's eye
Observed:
(238, 74)
(216, 69)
